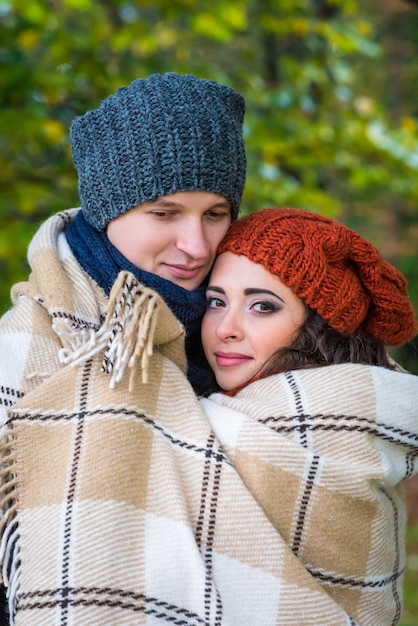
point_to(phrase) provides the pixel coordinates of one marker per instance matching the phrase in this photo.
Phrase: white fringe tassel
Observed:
(126, 336)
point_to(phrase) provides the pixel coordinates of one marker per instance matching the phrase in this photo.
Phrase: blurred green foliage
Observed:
(410, 614)
(322, 129)
(331, 121)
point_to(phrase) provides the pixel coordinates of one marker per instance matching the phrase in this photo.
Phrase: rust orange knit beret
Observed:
(329, 266)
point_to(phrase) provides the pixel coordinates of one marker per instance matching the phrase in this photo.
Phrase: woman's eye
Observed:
(214, 303)
(265, 307)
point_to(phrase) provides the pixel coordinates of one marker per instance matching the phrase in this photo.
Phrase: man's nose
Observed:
(193, 241)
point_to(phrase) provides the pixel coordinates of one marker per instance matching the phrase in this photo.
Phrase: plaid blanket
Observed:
(323, 451)
(128, 501)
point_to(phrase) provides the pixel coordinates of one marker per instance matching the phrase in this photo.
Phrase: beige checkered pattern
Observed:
(128, 505)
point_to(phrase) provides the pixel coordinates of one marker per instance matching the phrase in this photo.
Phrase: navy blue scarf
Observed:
(103, 262)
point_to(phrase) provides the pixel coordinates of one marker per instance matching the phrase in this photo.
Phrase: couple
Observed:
(264, 491)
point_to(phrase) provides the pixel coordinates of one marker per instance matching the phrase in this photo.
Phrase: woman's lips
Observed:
(230, 359)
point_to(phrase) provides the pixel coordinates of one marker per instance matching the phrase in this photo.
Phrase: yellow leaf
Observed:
(236, 17)
(409, 124)
(210, 26)
(80, 5)
(300, 26)
(54, 130)
(28, 39)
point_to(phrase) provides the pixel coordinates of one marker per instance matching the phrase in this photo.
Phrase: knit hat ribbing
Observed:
(155, 137)
(329, 266)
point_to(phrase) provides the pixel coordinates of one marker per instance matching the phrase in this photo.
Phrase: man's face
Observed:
(174, 236)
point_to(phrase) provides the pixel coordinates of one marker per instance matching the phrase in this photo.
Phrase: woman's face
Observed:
(250, 315)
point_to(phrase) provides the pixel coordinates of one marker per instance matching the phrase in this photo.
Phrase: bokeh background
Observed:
(331, 122)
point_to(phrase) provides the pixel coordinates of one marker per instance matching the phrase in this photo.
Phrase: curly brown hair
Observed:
(317, 344)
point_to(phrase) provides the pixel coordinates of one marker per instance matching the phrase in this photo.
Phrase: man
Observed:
(161, 169)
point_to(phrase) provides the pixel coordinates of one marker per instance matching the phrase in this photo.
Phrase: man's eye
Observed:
(218, 214)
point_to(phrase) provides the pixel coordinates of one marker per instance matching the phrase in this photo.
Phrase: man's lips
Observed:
(230, 359)
(184, 271)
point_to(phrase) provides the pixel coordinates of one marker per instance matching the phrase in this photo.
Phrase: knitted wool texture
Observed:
(155, 137)
(329, 266)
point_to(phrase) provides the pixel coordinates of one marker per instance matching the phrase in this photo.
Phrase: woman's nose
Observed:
(230, 327)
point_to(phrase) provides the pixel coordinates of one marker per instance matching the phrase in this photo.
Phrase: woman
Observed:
(337, 300)
(318, 421)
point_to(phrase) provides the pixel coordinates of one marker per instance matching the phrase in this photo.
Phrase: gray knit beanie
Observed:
(159, 135)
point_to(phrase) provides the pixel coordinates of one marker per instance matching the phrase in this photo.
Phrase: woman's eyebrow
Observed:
(249, 291)
(254, 290)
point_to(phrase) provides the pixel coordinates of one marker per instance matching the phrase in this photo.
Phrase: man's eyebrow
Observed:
(168, 203)
(163, 203)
